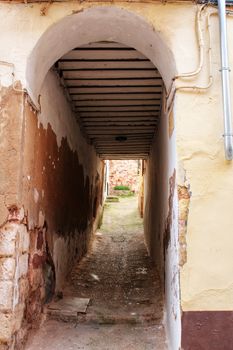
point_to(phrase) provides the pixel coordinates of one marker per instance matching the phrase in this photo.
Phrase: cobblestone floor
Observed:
(126, 308)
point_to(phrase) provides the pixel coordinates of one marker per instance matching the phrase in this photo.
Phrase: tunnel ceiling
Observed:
(116, 94)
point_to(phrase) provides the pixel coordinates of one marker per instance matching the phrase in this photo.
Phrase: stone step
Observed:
(103, 318)
(112, 199)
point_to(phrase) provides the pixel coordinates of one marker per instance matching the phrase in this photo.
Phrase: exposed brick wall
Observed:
(14, 286)
(14, 238)
(124, 172)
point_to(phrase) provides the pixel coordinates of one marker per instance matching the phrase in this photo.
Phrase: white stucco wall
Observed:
(161, 218)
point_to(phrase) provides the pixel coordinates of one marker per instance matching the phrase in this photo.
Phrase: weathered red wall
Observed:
(207, 330)
(50, 204)
(61, 204)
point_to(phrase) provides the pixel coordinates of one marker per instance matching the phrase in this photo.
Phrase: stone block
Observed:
(23, 289)
(6, 295)
(35, 278)
(15, 213)
(4, 346)
(7, 268)
(33, 241)
(3, 209)
(18, 316)
(23, 265)
(8, 236)
(6, 328)
(24, 239)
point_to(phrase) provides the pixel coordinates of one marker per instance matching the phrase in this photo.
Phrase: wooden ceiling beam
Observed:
(116, 132)
(104, 64)
(110, 73)
(114, 96)
(130, 137)
(113, 81)
(102, 114)
(119, 126)
(120, 119)
(115, 89)
(117, 102)
(122, 144)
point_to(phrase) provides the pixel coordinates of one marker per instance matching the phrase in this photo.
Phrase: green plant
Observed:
(122, 188)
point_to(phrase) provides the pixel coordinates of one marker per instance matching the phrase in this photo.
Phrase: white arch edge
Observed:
(98, 23)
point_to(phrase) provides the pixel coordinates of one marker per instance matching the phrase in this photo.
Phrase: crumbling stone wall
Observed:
(124, 172)
(14, 252)
(14, 239)
(62, 183)
(49, 183)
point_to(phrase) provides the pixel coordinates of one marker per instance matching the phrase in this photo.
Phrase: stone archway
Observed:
(105, 23)
(111, 23)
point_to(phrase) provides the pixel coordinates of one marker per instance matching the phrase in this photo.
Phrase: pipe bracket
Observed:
(225, 68)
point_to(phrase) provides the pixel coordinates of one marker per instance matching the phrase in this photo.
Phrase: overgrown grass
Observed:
(122, 188)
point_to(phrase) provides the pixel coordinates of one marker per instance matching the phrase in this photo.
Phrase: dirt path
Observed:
(117, 275)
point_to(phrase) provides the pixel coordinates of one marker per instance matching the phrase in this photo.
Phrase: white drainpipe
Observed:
(225, 81)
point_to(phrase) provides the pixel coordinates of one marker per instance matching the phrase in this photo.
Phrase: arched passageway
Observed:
(116, 94)
(108, 23)
(51, 188)
(98, 79)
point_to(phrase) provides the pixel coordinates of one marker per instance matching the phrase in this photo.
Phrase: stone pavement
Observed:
(126, 304)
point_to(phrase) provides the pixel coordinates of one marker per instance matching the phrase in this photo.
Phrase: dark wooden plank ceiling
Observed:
(116, 93)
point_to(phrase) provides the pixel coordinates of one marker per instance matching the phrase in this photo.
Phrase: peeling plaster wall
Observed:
(172, 277)
(62, 176)
(206, 281)
(50, 184)
(14, 240)
(11, 124)
(161, 221)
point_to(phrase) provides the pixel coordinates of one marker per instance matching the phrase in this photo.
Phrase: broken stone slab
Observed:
(112, 199)
(69, 305)
(63, 314)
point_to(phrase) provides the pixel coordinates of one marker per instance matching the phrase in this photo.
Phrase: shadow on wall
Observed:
(69, 201)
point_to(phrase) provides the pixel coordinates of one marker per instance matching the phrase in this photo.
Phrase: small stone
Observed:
(7, 268)
(8, 236)
(23, 265)
(24, 240)
(5, 327)
(41, 217)
(18, 316)
(35, 278)
(6, 295)
(15, 213)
